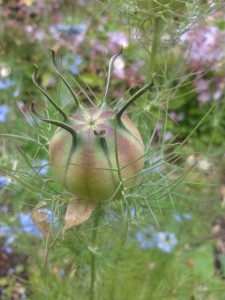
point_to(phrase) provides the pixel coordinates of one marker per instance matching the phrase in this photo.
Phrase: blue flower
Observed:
(181, 217)
(71, 29)
(23, 296)
(72, 63)
(146, 238)
(7, 249)
(3, 181)
(5, 83)
(178, 218)
(4, 109)
(187, 217)
(42, 167)
(6, 230)
(44, 164)
(132, 212)
(149, 238)
(165, 241)
(28, 225)
(76, 62)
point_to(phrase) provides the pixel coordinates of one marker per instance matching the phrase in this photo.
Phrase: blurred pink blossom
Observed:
(177, 117)
(116, 40)
(204, 50)
(204, 47)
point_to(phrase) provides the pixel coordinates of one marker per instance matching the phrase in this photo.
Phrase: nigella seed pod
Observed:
(96, 151)
(86, 165)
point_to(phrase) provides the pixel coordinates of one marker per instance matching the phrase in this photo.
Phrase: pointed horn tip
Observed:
(121, 49)
(52, 52)
(152, 83)
(32, 109)
(36, 67)
(153, 77)
(32, 106)
(35, 73)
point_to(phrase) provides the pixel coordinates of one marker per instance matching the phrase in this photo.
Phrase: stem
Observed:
(83, 91)
(34, 77)
(154, 49)
(111, 62)
(134, 97)
(93, 254)
(77, 102)
(54, 122)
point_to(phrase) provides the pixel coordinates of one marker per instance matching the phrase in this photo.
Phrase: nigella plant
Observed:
(97, 151)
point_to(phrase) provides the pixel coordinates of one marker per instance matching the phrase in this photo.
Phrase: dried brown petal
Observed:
(78, 211)
(40, 220)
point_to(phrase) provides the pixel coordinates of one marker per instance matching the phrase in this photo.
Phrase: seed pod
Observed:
(86, 164)
(95, 151)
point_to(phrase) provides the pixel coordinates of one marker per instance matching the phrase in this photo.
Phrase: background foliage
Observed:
(166, 241)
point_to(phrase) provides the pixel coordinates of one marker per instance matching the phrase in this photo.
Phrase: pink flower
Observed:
(204, 46)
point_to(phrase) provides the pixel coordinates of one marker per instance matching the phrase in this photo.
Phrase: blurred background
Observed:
(171, 244)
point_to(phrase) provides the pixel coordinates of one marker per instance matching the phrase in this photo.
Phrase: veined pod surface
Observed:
(87, 164)
(97, 150)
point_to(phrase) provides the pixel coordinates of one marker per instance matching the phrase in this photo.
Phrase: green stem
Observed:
(111, 62)
(93, 253)
(34, 77)
(134, 97)
(76, 99)
(154, 49)
(54, 122)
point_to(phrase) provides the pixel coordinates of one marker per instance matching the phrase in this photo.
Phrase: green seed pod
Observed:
(95, 151)
(86, 164)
